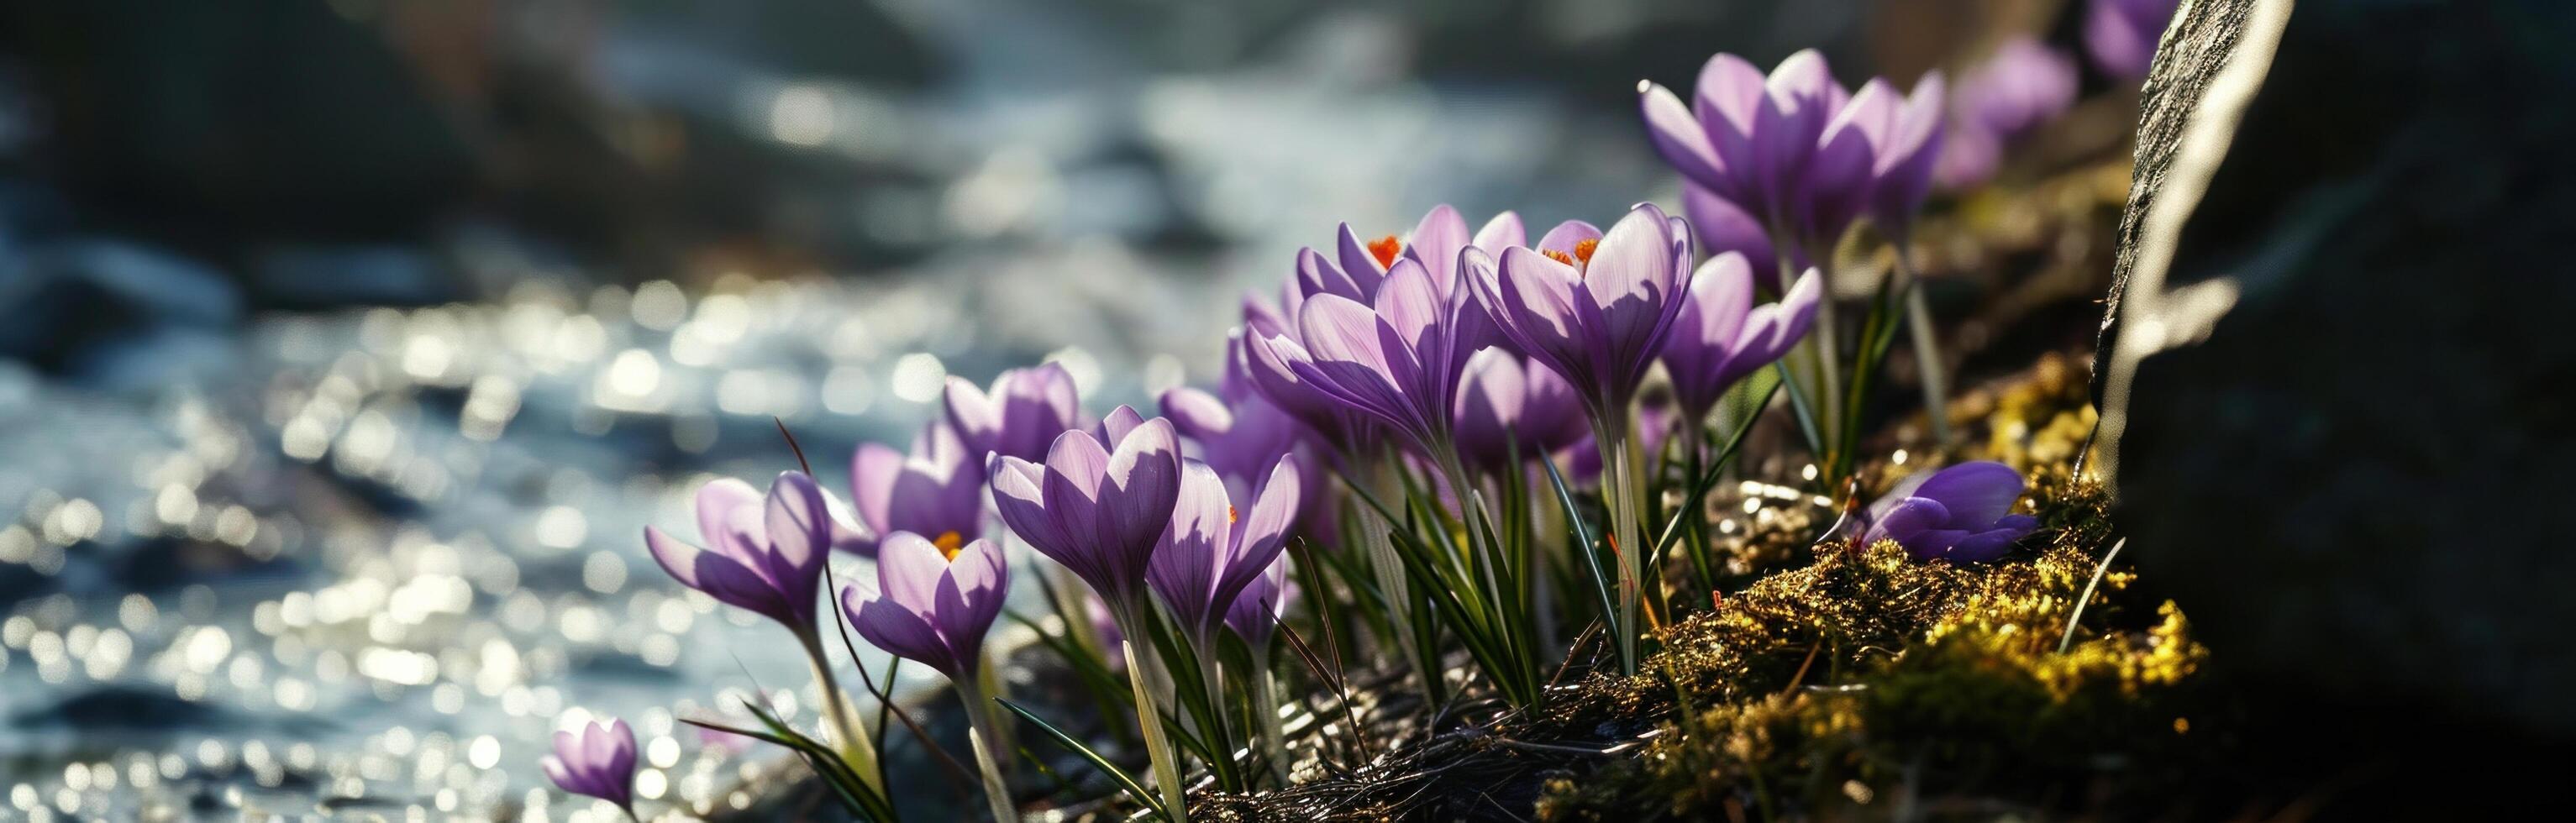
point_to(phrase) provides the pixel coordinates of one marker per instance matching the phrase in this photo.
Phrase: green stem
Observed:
(1141, 670)
(857, 748)
(1927, 350)
(1619, 494)
(1390, 580)
(984, 729)
(1265, 704)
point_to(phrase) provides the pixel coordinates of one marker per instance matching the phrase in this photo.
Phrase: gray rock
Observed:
(2335, 373)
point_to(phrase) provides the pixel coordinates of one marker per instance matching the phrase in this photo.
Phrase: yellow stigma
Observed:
(1229, 515)
(1384, 249)
(949, 543)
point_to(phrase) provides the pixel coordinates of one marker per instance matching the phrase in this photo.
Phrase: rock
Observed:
(2335, 393)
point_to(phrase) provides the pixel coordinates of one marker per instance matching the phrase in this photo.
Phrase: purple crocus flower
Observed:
(936, 490)
(1961, 513)
(1019, 416)
(1324, 354)
(2019, 88)
(2121, 35)
(1599, 316)
(932, 603)
(599, 762)
(1256, 612)
(1773, 145)
(1720, 336)
(762, 554)
(1210, 553)
(1096, 510)
(1904, 135)
(1508, 406)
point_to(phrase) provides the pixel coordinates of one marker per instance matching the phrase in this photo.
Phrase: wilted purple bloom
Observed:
(1720, 336)
(1598, 316)
(2121, 35)
(1023, 412)
(933, 603)
(1255, 613)
(599, 762)
(1211, 551)
(1096, 510)
(937, 490)
(1507, 406)
(1961, 513)
(765, 555)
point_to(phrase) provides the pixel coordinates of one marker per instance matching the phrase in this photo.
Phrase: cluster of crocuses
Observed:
(1402, 432)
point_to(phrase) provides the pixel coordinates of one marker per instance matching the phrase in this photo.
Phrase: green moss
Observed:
(1865, 678)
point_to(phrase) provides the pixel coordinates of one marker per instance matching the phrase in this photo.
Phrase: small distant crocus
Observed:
(1507, 407)
(762, 554)
(936, 490)
(1904, 135)
(2021, 87)
(1961, 513)
(1720, 336)
(2121, 35)
(933, 603)
(599, 761)
(1096, 510)
(1019, 416)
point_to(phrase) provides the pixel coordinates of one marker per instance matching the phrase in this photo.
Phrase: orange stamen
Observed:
(1229, 515)
(1384, 249)
(1583, 250)
(1557, 256)
(949, 544)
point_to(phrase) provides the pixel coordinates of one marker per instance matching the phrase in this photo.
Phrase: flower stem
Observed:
(985, 731)
(1619, 492)
(1927, 350)
(1389, 570)
(1141, 669)
(1265, 703)
(857, 748)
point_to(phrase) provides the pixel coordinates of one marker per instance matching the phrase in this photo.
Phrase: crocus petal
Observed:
(1262, 534)
(897, 630)
(1976, 493)
(970, 597)
(1315, 276)
(873, 471)
(1363, 267)
(1504, 231)
(1436, 241)
(800, 530)
(1631, 280)
(1191, 553)
(1118, 423)
(717, 502)
(1141, 482)
(908, 571)
(1679, 137)
(676, 556)
(1195, 414)
(1350, 358)
(1905, 520)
